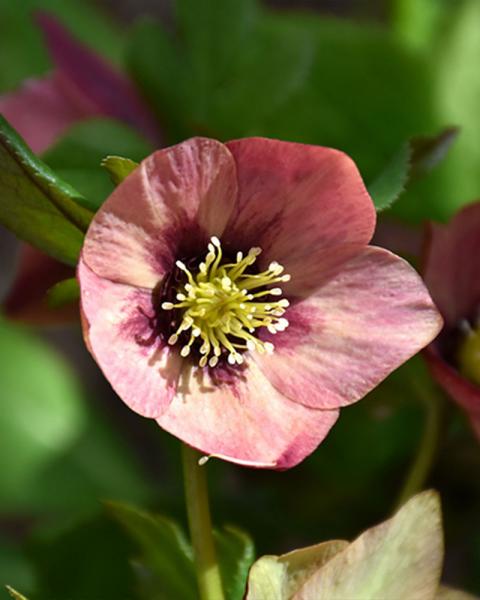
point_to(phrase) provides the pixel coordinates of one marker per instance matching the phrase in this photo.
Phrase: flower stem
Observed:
(427, 449)
(196, 494)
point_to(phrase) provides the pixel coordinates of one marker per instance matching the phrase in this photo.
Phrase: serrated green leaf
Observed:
(391, 87)
(165, 567)
(63, 292)
(14, 594)
(35, 203)
(118, 167)
(453, 69)
(415, 159)
(392, 181)
(236, 553)
(166, 557)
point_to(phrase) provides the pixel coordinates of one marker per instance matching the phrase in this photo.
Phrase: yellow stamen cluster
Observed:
(222, 310)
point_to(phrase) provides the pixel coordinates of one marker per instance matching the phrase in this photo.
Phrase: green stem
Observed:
(425, 456)
(196, 494)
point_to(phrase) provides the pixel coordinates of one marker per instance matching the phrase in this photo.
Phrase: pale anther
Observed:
(222, 305)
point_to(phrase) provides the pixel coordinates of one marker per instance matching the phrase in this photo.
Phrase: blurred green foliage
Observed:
(23, 53)
(232, 68)
(42, 412)
(77, 157)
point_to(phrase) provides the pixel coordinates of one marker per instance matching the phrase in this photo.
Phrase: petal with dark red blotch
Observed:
(452, 267)
(464, 392)
(244, 419)
(166, 209)
(359, 326)
(120, 334)
(40, 111)
(305, 206)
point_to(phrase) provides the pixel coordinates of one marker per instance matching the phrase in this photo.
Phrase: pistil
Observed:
(223, 306)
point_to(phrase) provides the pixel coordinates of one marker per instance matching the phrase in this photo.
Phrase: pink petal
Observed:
(36, 273)
(306, 206)
(40, 111)
(244, 420)
(464, 392)
(361, 325)
(171, 204)
(92, 83)
(117, 322)
(452, 268)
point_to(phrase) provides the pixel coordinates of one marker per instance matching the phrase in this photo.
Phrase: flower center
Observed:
(223, 306)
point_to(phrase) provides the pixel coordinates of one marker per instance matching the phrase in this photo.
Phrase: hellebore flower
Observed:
(228, 292)
(81, 86)
(400, 558)
(452, 274)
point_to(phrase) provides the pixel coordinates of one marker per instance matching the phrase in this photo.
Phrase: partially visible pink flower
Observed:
(26, 300)
(82, 85)
(452, 274)
(182, 307)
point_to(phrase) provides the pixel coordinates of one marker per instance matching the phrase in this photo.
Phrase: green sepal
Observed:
(416, 158)
(118, 167)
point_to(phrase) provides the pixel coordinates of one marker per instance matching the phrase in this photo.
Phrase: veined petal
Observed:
(452, 269)
(306, 206)
(359, 326)
(174, 201)
(40, 111)
(398, 559)
(243, 419)
(117, 324)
